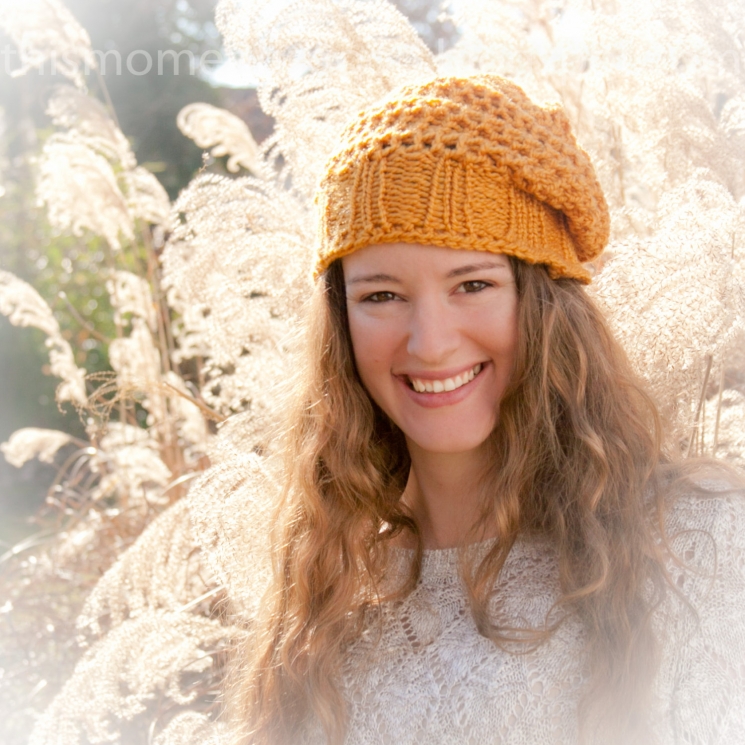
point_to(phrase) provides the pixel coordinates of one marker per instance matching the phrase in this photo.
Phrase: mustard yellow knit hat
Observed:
(469, 163)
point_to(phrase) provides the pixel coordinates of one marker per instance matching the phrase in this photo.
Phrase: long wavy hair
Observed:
(576, 455)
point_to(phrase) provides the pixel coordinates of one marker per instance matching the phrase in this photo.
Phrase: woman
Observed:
(479, 539)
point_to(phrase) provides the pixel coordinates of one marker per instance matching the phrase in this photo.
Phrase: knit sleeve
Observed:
(707, 668)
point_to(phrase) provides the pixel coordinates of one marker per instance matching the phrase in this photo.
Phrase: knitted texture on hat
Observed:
(465, 163)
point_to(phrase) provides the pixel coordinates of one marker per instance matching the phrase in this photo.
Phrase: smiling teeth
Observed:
(448, 384)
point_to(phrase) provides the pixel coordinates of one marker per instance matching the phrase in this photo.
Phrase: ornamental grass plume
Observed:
(319, 64)
(131, 295)
(154, 552)
(45, 30)
(163, 571)
(142, 664)
(590, 57)
(212, 127)
(193, 727)
(81, 191)
(23, 306)
(33, 442)
(675, 300)
(86, 119)
(146, 198)
(88, 176)
(724, 433)
(236, 269)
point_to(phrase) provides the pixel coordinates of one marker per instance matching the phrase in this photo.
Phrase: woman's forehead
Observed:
(403, 258)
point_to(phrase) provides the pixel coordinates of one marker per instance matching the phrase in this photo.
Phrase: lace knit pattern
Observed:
(431, 678)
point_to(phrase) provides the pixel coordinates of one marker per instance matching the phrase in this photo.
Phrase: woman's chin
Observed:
(446, 443)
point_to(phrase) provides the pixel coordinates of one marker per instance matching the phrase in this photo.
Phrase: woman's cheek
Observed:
(373, 361)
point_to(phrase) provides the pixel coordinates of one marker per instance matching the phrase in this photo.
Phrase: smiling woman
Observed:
(434, 333)
(479, 538)
(440, 331)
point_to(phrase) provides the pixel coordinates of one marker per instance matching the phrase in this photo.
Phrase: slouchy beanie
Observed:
(464, 163)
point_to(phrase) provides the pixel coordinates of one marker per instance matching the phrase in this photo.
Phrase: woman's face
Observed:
(434, 332)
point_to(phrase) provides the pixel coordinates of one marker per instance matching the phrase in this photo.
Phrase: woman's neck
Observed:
(443, 494)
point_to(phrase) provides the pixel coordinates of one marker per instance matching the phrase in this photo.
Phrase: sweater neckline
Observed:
(444, 563)
(439, 562)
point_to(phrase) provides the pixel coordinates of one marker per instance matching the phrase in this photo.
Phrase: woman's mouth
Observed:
(445, 384)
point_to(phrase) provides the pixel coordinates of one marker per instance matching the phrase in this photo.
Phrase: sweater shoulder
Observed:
(705, 540)
(703, 676)
(705, 527)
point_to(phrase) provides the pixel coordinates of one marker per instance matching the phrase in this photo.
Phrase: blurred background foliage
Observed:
(66, 269)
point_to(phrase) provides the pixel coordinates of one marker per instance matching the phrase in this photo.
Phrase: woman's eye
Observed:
(379, 297)
(474, 285)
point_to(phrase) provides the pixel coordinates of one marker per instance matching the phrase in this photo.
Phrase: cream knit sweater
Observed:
(431, 678)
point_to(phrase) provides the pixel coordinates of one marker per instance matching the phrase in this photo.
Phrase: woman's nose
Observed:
(433, 333)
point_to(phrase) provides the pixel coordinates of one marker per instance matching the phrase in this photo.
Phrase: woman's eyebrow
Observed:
(373, 278)
(467, 269)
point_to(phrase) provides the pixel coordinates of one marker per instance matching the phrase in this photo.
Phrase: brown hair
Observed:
(576, 456)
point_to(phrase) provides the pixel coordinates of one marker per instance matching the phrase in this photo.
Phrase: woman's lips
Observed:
(432, 400)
